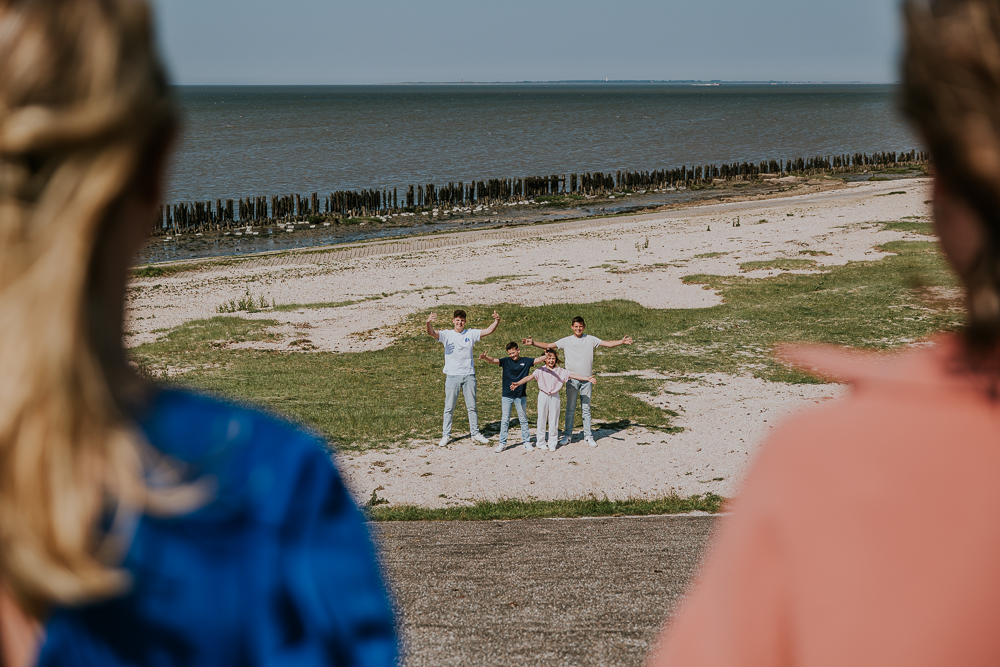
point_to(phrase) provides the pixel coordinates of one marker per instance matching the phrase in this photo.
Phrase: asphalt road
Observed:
(541, 592)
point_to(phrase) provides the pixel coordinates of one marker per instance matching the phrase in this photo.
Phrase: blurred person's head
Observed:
(951, 90)
(85, 123)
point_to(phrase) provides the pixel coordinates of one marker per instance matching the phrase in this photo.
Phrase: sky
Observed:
(396, 41)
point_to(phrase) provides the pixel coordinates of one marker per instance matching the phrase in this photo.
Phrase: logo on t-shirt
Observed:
(466, 340)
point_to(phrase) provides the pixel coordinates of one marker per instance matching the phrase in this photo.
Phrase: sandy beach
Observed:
(642, 258)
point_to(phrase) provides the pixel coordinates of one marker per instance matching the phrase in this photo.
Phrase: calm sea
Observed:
(244, 141)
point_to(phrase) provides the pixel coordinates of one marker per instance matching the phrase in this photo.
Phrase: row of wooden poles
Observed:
(256, 211)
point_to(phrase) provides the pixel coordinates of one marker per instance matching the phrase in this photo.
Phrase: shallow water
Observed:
(240, 141)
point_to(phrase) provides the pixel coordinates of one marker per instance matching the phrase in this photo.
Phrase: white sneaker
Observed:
(444, 440)
(480, 438)
(528, 446)
(590, 441)
(563, 440)
(552, 445)
(500, 447)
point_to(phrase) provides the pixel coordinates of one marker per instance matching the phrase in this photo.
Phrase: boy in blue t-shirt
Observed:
(514, 368)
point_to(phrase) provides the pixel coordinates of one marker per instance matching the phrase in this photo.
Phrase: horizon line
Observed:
(687, 82)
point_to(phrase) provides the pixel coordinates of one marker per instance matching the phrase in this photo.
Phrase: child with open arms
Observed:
(550, 380)
(579, 359)
(514, 368)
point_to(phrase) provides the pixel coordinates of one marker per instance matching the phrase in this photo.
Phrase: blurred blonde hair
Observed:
(84, 110)
(951, 90)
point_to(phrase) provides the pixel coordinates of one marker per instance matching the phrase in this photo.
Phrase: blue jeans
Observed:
(467, 385)
(576, 388)
(522, 416)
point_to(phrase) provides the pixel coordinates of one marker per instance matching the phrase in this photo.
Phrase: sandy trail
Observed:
(642, 258)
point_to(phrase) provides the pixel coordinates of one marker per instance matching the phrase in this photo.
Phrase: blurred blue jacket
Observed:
(277, 569)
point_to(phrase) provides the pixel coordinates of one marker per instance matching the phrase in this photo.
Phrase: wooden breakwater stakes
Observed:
(201, 216)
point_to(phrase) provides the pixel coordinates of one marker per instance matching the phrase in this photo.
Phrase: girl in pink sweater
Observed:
(550, 380)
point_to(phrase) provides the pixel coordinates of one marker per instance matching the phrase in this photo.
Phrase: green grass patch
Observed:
(918, 168)
(285, 307)
(512, 509)
(815, 253)
(167, 270)
(914, 226)
(372, 399)
(780, 264)
(710, 255)
(495, 279)
(195, 340)
(154, 271)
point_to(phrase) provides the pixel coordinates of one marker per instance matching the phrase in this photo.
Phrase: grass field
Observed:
(373, 399)
(511, 509)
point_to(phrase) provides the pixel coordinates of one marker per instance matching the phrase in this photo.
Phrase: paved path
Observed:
(540, 592)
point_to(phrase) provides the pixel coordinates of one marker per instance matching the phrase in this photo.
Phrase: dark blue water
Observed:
(243, 141)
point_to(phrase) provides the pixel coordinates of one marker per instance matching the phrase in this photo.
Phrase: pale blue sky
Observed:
(391, 41)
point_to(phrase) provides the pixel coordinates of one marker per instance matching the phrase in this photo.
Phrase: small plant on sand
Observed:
(248, 303)
(375, 500)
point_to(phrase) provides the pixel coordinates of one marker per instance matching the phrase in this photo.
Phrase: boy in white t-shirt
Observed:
(460, 369)
(550, 380)
(579, 360)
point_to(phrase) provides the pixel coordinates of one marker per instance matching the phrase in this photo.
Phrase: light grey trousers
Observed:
(467, 385)
(582, 389)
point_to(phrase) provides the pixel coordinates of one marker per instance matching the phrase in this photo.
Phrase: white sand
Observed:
(642, 258)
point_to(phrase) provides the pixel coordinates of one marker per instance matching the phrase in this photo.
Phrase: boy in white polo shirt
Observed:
(460, 369)
(579, 361)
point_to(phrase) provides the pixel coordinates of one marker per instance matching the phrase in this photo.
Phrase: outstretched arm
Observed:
(531, 341)
(538, 360)
(493, 327)
(591, 379)
(487, 358)
(525, 380)
(627, 340)
(430, 330)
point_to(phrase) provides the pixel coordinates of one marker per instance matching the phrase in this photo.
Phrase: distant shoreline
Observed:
(585, 82)
(527, 216)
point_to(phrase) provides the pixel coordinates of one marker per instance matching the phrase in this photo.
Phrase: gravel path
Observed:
(542, 592)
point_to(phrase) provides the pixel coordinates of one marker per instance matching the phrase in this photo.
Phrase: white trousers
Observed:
(548, 409)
